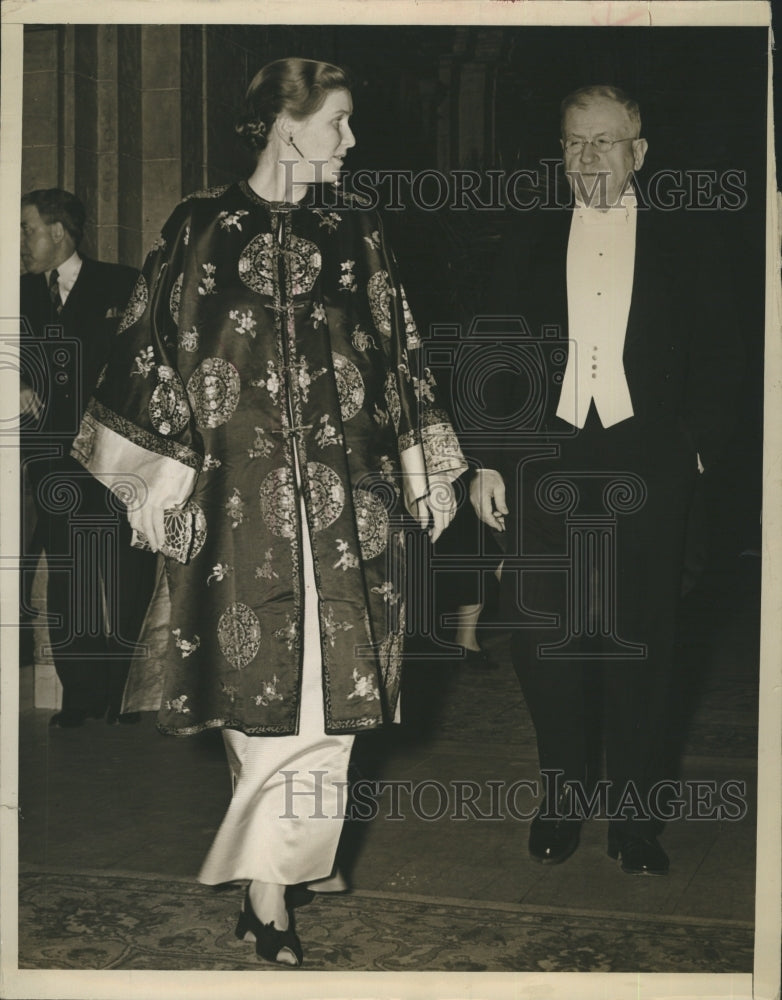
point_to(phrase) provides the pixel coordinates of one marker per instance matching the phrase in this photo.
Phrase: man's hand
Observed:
(148, 521)
(438, 506)
(29, 401)
(487, 495)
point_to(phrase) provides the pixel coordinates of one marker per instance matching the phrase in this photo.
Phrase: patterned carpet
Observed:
(91, 922)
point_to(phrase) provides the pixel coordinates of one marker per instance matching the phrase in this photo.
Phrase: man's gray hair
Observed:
(582, 97)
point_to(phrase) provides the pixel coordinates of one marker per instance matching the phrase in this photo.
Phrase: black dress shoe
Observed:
(552, 840)
(478, 659)
(68, 718)
(640, 854)
(114, 718)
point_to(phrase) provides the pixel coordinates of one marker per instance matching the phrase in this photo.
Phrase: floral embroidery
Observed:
(213, 390)
(372, 523)
(365, 687)
(278, 503)
(331, 626)
(174, 298)
(318, 314)
(374, 240)
(423, 387)
(387, 592)
(159, 244)
(229, 220)
(347, 560)
(246, 322)
(289, 632)
(326, 494)
(350, 386)
(271, 383)
(229, 690)
(379, 292)
(168, 410)
(136, 306)
(327, 435)
(380, 416)
(234, 508)
(219, 573)
(305, 378)
(262, 446)
(328, 219)
(411, 331)
(361, 340)
(210, 462)
(388, 471)
(265, 572)
(178, 705)
(186, 238)
(188, 339)
(185, 646)
(145, 362)
(269, 692)
(239, 634)
(393, 402)
(208, 284)
(347, 278)
(258, 262)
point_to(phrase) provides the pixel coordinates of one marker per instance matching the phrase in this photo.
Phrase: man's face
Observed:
(39, 247)
(601, 118)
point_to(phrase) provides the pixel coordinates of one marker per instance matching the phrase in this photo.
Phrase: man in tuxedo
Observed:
(627, 360)
(98, 587)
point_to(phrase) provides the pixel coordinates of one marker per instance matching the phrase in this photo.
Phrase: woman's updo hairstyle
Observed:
(297, 87)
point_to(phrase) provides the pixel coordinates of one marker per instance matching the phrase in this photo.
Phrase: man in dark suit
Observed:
(98, 587)
(623, 386)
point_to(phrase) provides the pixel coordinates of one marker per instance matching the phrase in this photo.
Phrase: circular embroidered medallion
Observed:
(176, 295)
(392, 399)
(213, 391)
(350, 386)
(185, 530)
(328, 495)
(379, 292)
(258, 261)
(239, 635)
(278, 502)
(168, 409)
(137, 304)
(372, 523)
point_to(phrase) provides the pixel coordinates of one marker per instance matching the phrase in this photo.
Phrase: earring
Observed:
(292, 143)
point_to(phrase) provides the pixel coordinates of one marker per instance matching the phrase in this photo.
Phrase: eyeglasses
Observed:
(601, 144)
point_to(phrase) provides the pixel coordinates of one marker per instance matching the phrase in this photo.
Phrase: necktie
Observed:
(54, 291)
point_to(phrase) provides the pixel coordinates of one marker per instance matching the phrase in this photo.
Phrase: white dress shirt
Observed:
(67, 273)
(600, 266)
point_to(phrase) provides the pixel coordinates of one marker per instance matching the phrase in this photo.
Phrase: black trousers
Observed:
(98, 587)
(600, 533)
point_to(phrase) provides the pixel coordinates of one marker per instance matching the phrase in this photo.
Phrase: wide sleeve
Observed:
(429, 450)
(138, 435)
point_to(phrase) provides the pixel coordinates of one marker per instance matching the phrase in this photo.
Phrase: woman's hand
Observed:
(487, 495)
(436, 510)
(148, 521)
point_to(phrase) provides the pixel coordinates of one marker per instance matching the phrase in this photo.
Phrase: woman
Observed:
(265, 402)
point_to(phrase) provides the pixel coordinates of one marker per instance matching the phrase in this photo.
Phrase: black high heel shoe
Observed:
(269, 942)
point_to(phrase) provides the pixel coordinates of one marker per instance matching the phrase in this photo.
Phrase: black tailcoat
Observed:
(610, 608)
(95, 578)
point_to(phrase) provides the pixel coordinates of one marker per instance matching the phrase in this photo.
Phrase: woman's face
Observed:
(325, 137)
